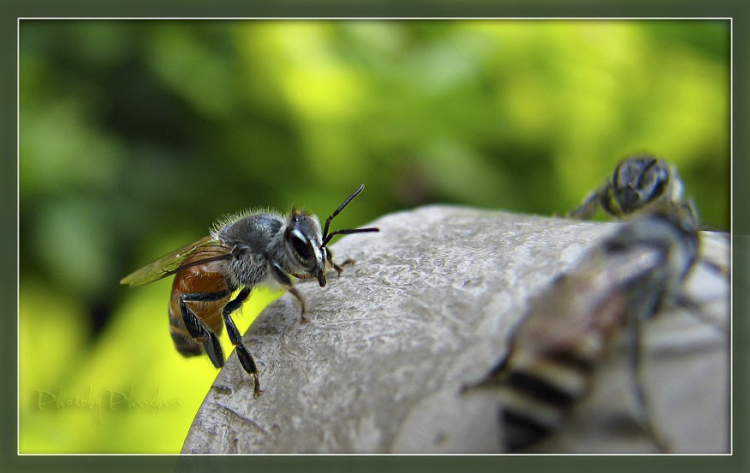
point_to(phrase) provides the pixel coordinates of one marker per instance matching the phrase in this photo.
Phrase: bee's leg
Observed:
(283, 279)
(640, 394)
(246, 359)
(589, 206)
(339, 268)
(198, 330)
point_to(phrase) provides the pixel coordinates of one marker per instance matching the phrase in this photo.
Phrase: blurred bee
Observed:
(568, 328)
(639, 183)
(242, 251)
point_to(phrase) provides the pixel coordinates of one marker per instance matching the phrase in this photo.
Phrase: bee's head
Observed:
(309, 246)
(305, 243)
(640, 180)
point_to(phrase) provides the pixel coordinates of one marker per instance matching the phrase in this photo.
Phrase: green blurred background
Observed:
(136, 135)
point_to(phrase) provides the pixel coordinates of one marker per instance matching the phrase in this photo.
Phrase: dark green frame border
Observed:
(10, 10)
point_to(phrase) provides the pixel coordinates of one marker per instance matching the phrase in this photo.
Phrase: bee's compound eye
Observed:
(302, 247)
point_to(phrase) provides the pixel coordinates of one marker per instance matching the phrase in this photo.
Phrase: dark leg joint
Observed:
(234, 304)
(248, 364)
(198, 330)
(213, 350)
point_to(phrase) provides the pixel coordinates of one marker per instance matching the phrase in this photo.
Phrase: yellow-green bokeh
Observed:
(130, 392)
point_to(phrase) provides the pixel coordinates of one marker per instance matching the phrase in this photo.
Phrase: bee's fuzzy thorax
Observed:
(230, 218)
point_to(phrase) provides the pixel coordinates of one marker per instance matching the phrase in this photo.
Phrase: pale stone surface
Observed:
(428, 307)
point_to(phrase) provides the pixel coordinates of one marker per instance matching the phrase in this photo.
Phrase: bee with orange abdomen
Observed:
(242, 251)
(568, 328)
(206, 277)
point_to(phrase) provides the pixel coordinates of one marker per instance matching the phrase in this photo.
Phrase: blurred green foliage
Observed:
(136, 135)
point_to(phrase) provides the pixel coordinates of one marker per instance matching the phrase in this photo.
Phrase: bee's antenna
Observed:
(349, 231)
(327, 237)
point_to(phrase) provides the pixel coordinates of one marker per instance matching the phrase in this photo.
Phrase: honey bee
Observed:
(568, 329)
(242, 251)
(640, 183)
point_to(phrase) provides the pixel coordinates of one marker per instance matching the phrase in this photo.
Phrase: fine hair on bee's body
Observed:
(640, 183)
(242, 251)
(567, 330)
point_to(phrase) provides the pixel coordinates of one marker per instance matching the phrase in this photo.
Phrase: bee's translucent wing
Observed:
(177, 260)
(587, 300)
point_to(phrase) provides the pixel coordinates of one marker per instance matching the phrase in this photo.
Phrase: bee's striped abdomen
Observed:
(540, 388)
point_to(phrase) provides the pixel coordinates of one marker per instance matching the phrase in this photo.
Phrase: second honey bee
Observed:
(627, 278)
(640, 183)
(242, 251)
